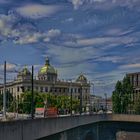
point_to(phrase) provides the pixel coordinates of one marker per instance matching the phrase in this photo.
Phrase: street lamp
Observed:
(105, 102)
(92, 91)
(32, 94)
(4, 93)
(70, 99)
(81, 100)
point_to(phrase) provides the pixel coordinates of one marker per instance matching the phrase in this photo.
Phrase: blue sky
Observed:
(99, 38)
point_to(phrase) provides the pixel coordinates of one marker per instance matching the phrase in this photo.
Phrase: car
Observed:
(1, 113)
(109, 112)
(100, 112)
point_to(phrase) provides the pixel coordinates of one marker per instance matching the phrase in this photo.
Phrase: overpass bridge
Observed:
(85, 127)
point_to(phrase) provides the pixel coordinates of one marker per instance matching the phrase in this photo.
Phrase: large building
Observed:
(135, 81)
(99, 103)
(47, 82)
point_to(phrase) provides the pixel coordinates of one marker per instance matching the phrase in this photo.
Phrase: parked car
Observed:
(1, 113)
(100, 112)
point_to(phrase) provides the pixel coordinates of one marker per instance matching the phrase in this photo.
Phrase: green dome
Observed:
(47, 68)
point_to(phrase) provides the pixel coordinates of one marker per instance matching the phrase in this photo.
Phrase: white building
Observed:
(47, 82)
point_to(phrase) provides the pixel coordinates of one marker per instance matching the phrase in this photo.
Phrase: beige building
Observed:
(47, 82)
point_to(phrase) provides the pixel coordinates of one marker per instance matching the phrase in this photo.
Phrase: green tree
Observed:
(116, 97)
(137, 106)
(1, 101)
(9, 101)
(121, 96)
(127, 92)
(24, 105)
(61, 102)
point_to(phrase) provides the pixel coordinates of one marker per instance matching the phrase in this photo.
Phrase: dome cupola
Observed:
(47, 68)
(47, 72)
(24, 74)
(81, 79)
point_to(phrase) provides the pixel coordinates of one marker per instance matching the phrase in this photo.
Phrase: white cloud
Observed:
(101, 41)
(28, 37)
(72, 55)
(114, 59)
(105, 4)
(47, 39)
(35, 11)
(53, 33)
(77, 3)
(23, 33)
(9, 66)
(130, 66)
(6, 23)
(73, 72)
(68, 20)
(118, 31)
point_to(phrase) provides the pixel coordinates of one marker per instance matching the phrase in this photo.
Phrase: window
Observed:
(17, 89)
(41, 89)
(28, 88)
(36, 88)
(22, 88)
(59, 89)
(48, 78)
(46, 89)
(71, 90)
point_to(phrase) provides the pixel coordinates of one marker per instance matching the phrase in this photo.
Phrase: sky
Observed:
(98, 38)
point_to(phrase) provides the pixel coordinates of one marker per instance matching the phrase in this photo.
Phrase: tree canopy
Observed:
(121, 96)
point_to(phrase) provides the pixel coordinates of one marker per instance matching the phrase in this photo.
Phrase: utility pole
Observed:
(32, 98)
(81, 100)
(4, 93)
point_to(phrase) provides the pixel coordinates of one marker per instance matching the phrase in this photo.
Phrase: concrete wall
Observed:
(123, 117)
(39, 128)
(106, 130)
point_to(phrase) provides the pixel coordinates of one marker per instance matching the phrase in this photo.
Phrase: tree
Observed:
(116, 97)
(1, 101)
(137, 106)
(9, 101)
(61, 102)
(121, 96)
(127, 91)
(24, 105)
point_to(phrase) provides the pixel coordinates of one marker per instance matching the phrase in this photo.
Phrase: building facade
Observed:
(99, 103)
(47, 82)
(135, 81)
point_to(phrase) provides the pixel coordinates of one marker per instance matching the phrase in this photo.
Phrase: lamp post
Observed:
(4, 93)
(81, 99)
(92, 105)
(32, 95)
(105, 102)
(70, 98)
